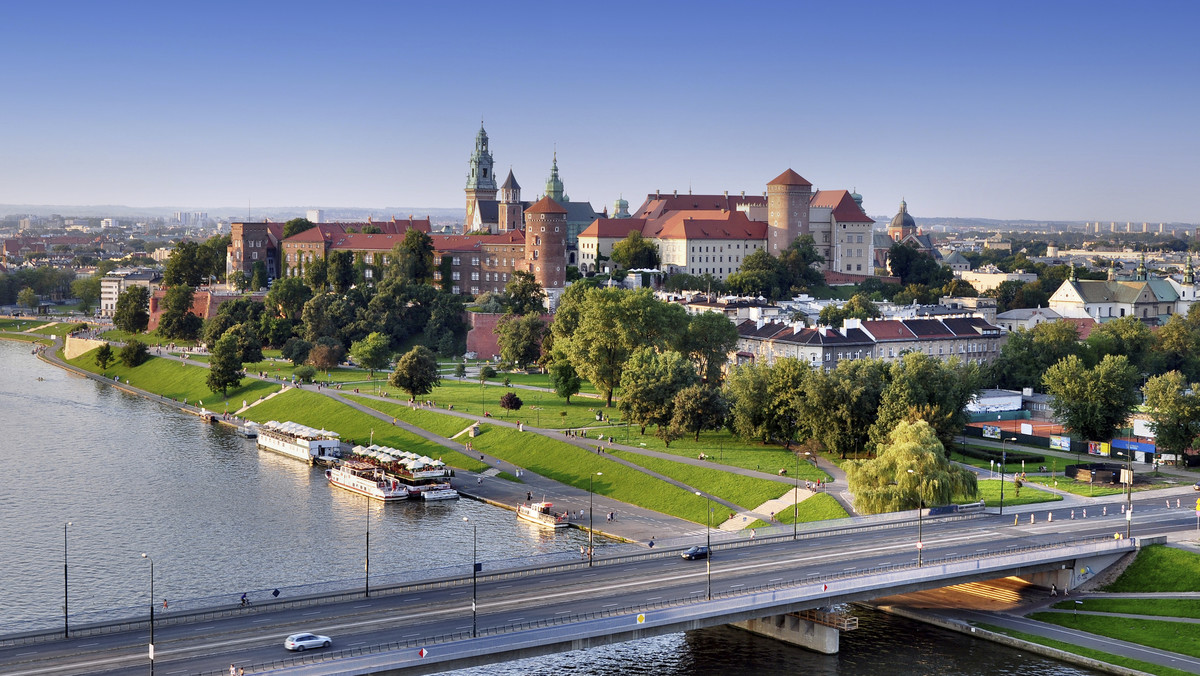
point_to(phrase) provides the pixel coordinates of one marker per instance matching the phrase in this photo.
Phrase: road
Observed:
(254, 636)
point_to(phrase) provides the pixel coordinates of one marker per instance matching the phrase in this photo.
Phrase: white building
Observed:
(115, 282)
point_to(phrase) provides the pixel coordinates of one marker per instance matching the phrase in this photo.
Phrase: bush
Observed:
(305, 373)
(135, 353)
(511, 402)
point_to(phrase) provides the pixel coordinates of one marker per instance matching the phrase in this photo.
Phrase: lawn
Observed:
(1159, 568)
(543, 380)
(541, 409)
(26, 337)
(989, 492)
(438, 423)
(1180, 637)
(819, 507)
(1164, 607)
(316, 410)
(174, 380)
(119, 336)
(747, 492)
(1012, 462)
(20, 324)
(1083, 488)
(723, 448)
(575, 466)
(1138, 665)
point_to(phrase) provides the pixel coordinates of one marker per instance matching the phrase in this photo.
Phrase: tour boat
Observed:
(367, 479)
(543, 514)
(443, 492)
(298, 441)
(424, 477)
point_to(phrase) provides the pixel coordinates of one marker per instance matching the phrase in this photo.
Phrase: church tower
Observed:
(554, 186)
(481, 181)
(510, 217)
(788, 196)
(546, 244)
(902, 224)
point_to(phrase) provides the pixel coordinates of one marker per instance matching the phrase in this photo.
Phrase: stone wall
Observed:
(77, 346)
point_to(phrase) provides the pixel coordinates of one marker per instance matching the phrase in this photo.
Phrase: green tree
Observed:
(177, 320)
(1128, 336)
(287, 298)
(787, 414)
(698, 408)
(239, 280)
(910, 470)
(1177, 348)
(1174, 409)
(709, 339)
(916, 267)
(258, 276)
(224, 365)
(372, 352)
(87, 291)
(316, 276)
(649, 383)
(132, 312)
(341, 270)
(843, 403)
(761, 274)
(523, 295)
(216, 327)
(1093, 403)
(416, 372)
(188, 265)
(749, 403)
(104, 356)
(520, 339)
(799, 262)
(412, 258)
(326, 354)
(563, 377)
(1026, 355)
(509, 401)
(249, 345)
(446, 329)
(134, 353)
(925, 388)
(858, 307)
(296, 350)
(297, 226)
(28, 298)
(636, 252)
(305, 373)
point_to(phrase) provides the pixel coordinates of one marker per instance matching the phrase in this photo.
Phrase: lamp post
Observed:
(1003, 461)
(591, 492)
(920, 515)
(708, 544)
(1129, 493)
(474, 577)
(66, 625)
(796, 501)
(151, 649)
(367, 567)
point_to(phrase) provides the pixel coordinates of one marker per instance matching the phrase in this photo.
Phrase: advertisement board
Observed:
(1099, 448)
(991, 432)
(1060, 443)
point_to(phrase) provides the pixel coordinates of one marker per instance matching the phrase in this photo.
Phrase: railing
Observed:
(693, 599)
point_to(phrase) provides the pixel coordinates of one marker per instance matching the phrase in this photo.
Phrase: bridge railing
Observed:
(695, 598)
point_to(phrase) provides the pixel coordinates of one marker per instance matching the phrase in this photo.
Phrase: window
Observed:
(456, 275)
(456, 261)
(475, 276)
(475, 260)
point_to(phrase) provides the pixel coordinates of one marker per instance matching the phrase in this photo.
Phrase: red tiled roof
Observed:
(658, 205)
(474, 242)
(1083, 325)
(843, 206)
(707, 225)
(361, 242)
(888, 329)
(789, 177)
(617, 228)
(546, 206)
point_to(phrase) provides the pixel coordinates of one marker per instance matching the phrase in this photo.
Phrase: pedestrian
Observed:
(752, 533)
(164, 604)
(232, 670)
(241, 671)
(1053, 589)
(479, 480)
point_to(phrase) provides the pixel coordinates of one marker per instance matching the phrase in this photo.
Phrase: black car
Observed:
(693, 553)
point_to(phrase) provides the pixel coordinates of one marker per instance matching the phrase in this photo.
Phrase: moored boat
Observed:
(442, 493)
(422, 475)
(367, 479)
(543, 513)
(298, 441)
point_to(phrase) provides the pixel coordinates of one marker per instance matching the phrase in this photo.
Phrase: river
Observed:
(219, 518)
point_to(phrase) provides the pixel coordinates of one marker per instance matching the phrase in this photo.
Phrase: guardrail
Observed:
(691, 599)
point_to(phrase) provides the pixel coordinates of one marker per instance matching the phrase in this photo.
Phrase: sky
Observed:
(1021, 110)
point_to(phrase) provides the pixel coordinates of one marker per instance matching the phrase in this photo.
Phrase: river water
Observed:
(219, 518)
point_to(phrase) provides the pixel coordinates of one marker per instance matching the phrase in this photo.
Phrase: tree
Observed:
(416, 372)
(326, 354)
(412, 258)
(372, 352)
(249, 345)
(858, 307)
(187, 265)
(1026, 355)
(239, 280)
(520, 339)
(1174, 409)
(287, 298)
(746, 392)
(177, 320)
(709, 339)
(258, 276)
(635, 252)
(699, 408)
(1176, 348)
(915, 267)
(316, 276)
(28, 298)
(761, 274)
(296, 350)
(460, 370)
(649, 383)
(523, 294)
(787, 414)
(135, 353)
(446, 329)
(510, 402)
(563, 377)
(297, 226)
(844, 402)
(132, 312)
(1128, 336)
(885, 484)
(921, 387)
(224, 365)
(1093, 403)
(104, 356)
(305, 373)
(799, 262)
(341, 270)
(87, 291)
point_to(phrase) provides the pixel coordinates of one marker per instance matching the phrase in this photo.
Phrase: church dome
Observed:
(902, 219)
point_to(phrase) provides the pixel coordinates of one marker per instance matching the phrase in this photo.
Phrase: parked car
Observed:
(1196, 486)
(693, 553)
(300, 642)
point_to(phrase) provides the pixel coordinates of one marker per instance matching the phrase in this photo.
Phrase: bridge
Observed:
(510, 613)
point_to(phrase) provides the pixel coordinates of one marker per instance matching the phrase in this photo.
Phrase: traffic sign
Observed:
(641, 618)
(422, 652)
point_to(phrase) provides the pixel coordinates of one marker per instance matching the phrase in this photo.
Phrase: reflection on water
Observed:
(220, 517)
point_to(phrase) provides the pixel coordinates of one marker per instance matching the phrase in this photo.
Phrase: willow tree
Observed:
(886, 484)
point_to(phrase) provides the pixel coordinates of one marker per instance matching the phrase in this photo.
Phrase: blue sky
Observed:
(1038, 110)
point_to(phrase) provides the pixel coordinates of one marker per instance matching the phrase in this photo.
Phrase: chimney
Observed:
(675, 193)
(758, 323)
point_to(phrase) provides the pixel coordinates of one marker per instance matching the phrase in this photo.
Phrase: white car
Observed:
(299, 642)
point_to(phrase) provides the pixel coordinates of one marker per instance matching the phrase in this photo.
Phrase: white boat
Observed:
(249, 430)
(367, 479)
(298, 441)
(542, 513)
(445, 493)
(423, 476)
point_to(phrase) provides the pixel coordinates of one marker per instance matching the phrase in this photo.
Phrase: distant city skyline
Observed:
(1039, 111)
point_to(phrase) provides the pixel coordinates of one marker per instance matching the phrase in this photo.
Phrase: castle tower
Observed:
(788, 196)
(621, 208)
(509, 216)
(902, 224)
(554, 186)
(481, 181)
(546, 244)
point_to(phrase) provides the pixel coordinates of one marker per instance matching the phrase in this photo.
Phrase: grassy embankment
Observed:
(1159, 568)
(317, 410)
(1088, 652)
(989, 492)
(119, 336)
(174, 380)
(1179, 637)
(721, 447)
(819, 507)
(1189, 608)
(1085, 489)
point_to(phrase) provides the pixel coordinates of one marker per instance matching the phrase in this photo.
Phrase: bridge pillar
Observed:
(796, 631)
(1075, 573)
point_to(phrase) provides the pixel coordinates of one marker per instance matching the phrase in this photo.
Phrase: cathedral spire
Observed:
(1189, 276)
(554, 185)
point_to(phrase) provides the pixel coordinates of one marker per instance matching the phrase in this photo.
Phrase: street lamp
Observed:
(591, 492)
(920, 515)
(1129, 493)
(66, 626)
(1003, 461)
(796, 500)
(367, 568)
(708, 544)
(474, 576)
(144, 556)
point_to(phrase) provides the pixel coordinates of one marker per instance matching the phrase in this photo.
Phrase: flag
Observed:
(824, 587)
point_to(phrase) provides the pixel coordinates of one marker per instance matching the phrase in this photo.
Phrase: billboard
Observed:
(1099, 448)
(1060, 443)
(991, 432)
